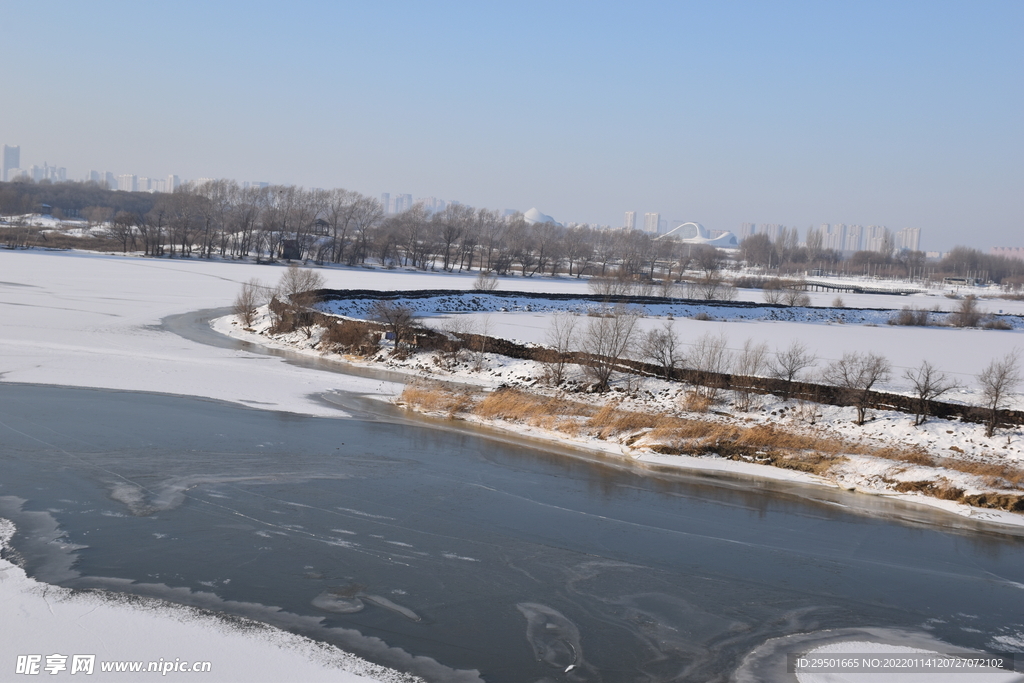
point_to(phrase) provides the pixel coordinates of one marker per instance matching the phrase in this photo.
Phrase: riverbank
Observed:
(654, 424)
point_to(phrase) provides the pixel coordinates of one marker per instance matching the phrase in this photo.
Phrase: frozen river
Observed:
(406, 538)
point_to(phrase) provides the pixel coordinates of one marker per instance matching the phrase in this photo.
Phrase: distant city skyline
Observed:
(862, 113)
(838, 236)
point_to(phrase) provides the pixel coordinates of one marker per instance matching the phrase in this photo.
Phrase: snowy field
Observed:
(88, 320)
(905, 347)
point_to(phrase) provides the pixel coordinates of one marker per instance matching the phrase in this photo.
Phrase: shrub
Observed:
(994, 323)
(350, 336)
(248, 299)
(967, 313)
(485, 281)
(910, 316)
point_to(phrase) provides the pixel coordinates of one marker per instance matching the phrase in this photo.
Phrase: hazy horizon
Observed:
(903, 115)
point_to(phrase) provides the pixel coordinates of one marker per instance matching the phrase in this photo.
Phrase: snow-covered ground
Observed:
(826, 332)
(55, 624)
(89, 320)
(863, 473)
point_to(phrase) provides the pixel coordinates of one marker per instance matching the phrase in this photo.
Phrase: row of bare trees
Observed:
(612, 335)
(220, 218)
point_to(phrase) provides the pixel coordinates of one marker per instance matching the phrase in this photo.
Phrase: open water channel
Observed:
(454, 554)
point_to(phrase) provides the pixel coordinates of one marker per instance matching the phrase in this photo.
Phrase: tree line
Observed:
(608, 342)
(220, 218)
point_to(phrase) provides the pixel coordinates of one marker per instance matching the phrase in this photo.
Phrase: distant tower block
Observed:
(11, 161)
(651, 222)
(630, 223)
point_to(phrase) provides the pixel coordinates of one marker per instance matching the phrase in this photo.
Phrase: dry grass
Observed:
(915, 455)
(1000, 475)
(696, 402)
(611, 421)
(433, 398)
(767, 444)
(539, 411)
(941, 489)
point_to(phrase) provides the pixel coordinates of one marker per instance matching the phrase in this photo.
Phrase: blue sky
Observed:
(907, 114)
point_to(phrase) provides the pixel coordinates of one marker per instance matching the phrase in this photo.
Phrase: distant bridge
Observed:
(825, 286)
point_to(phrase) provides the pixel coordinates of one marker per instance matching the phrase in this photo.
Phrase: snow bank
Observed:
(862, 473)
(43, 620)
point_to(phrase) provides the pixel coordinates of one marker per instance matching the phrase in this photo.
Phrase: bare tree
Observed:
(710, 358)
(252, 295)
(299, 284)
(710, 287)
(929, 383)
(608, 286)
(752, 361)
(790, 362)
(794, 295)
(608, 338)
(710, 284)
(485, 281)
(967, 313)
(561, 336)
(122, 228)
(772, 292)
(400, 318)
(856, 373)
(997, 382)
(661, 346)
(758, 250)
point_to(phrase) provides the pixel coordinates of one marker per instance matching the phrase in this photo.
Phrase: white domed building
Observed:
(695, 233)
(535, 216)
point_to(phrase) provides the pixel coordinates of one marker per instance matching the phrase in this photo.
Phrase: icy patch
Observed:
(364, 514)
(453, 556)
(555, 640)
(383, 602)
(338, 604)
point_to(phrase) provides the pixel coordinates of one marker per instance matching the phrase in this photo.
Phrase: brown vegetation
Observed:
(350, 336)
(675, 435)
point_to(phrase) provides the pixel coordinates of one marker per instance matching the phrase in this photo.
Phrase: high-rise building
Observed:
(630, 223)
(127, 182)
(746, 230)
(173, 183)
(909, 239)
(651, 222)
(403, 202)
(833, 236)
(1008, 252)
(385, 201)
(773, 230)
(854, 238)
(878, 238)
(12, 160)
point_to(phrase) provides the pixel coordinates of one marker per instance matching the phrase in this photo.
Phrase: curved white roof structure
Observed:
(695, 233)
(535, 216)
